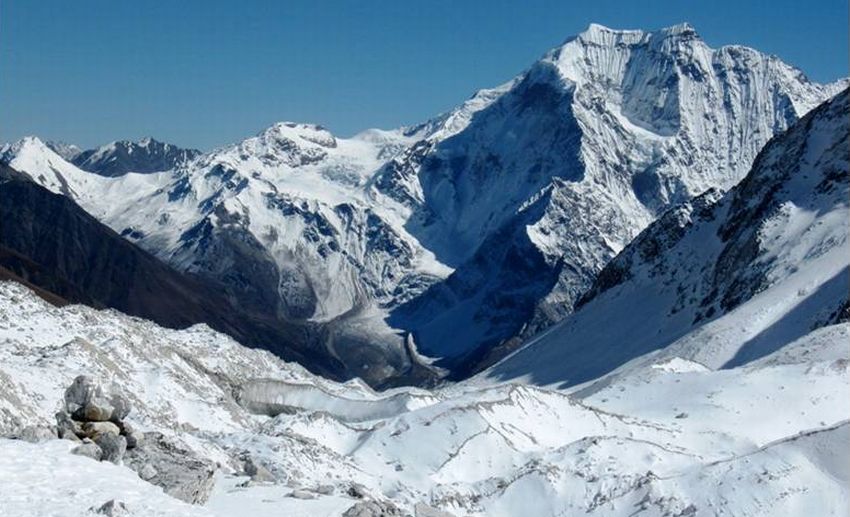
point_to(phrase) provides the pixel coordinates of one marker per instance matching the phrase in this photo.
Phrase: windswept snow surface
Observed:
(670, 438)
(466, 231)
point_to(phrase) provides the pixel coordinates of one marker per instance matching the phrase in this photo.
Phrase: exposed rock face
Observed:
(49, 242)
(179, 471)
(701, 278)
(119, 158)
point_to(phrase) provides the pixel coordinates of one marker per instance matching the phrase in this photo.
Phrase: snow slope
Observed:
(671, 438)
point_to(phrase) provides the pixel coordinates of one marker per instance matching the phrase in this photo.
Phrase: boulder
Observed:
(94, 429)
(302, 494)
(258, 473)
(66, 428)
(121, 406)
(111, 508)
(181, 472)
(113, 446)
(85, 400)
(373, 509)
(79, 393)
(97, 409)
(88, 449)
(36, 433)
(134, 438)
(147, 472)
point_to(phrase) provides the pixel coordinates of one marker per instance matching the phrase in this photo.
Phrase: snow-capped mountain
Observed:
(64, 149)
(722, 281)
(552, 179)
(50, 243)
(123, 156)
(668, 436)
(467, 232)
(705, 372)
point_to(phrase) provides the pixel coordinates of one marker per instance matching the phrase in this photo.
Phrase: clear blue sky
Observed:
(205, 73)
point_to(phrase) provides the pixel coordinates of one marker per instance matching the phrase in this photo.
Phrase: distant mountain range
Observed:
(705, 372)
(458, 238)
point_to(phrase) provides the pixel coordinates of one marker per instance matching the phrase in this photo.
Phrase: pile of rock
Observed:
(96, 419)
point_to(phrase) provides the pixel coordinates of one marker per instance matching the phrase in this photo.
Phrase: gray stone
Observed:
(88, 449)
(97, 409)
(111, 508)
(121, 406)
(357, 490)
(94, 429)
(79, 393)
(373, 509)
(36, 433)
(181, 472)
(66, 428)
(85, 400)
(302, 494)
(258, 473)
(147, 472)
(134, 438)
(113, 446)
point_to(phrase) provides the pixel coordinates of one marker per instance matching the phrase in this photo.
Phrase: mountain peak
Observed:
(123, 156)
(29, 144)
(606, 36)
(296, 131)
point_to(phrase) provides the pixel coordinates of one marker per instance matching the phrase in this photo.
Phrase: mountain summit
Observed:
(123, 156)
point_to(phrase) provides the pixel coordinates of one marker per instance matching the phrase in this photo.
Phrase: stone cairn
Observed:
(96, 419)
